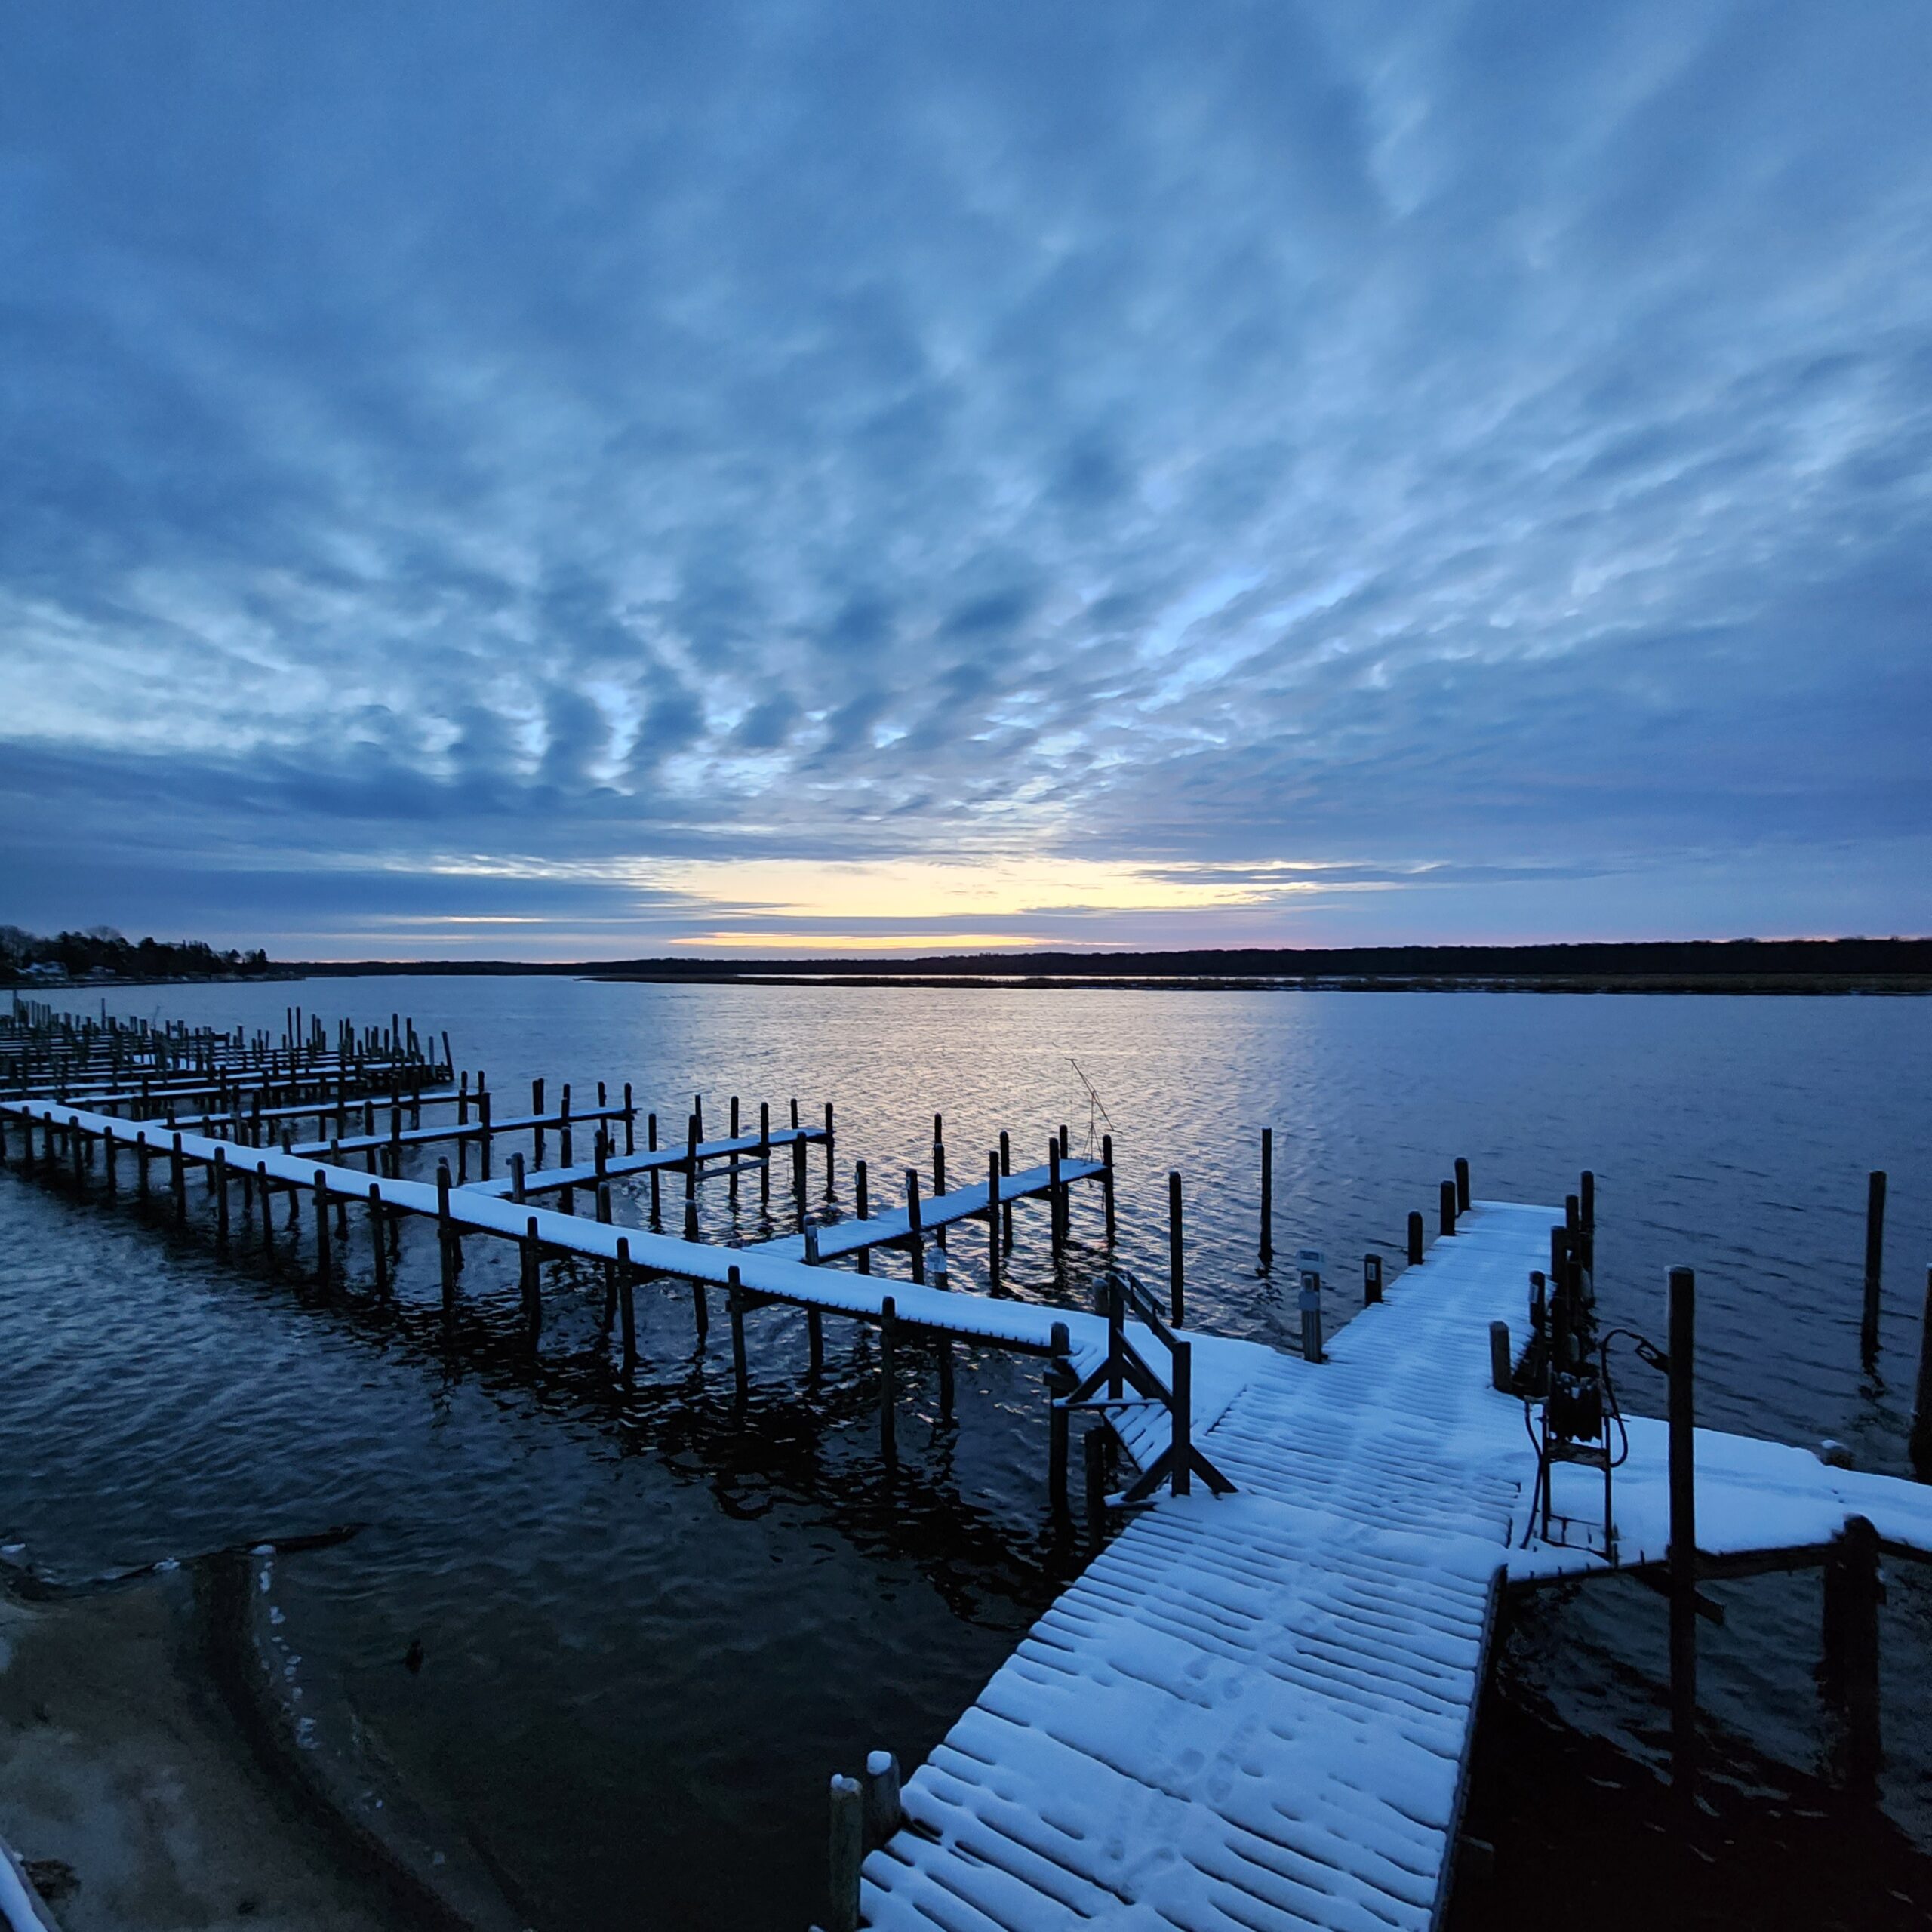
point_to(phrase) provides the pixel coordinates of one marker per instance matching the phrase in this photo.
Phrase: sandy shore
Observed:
(126, 1791)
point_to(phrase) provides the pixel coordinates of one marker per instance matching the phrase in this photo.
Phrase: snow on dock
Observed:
(1252, 1710)
(1255, 1711)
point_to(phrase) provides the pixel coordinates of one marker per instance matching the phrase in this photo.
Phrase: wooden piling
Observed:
(1875, 1259)
(1462, 1185)
(178, 1179)
(218, 1167)
(829, 1144)
(1854, 1590)
(734, 1306)
(322, 1225)
(1415, 1238)
(1371, 1279)
(1682, 1553)
(1501, 1373)
(517, 1179)
(992, 1219)
(1267, 1197)
(1056, 1202)
(846, 1853)
(656, 1199)
(1006, 1212)
(1446, 1214)
(1061, 1381)
(1589, 1211)
(627, 1298)
(1921, 1419)
(1177, 1264)
(1107, 1184)
(445, 1239)
(268, 1214)
(888, 1415)
(692, 1130)
(630, 1121)
(376, 1246)
(1093, 1450)
(916, 1236)
(862, 1208)
(883, 1809)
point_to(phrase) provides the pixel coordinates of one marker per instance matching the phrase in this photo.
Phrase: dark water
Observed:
(652, 1624)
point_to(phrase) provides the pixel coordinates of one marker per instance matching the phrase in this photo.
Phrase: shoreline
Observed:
(153, 1771)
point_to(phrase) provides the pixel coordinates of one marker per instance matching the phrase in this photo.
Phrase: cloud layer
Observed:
(602, 478)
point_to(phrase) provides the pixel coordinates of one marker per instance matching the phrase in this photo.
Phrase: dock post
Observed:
(1176, 1275)
(322, 1225)
(765, 1153)
(1055, 1200)
(847, 1853)
(915, 1235)
(941, 1272)
(830, 1142)
(1006, 1211)
(536, 1115)
(110, 1144)
(610, 1268)
(1502, 1375)
(883, 1810)
(268, 1213)
(1309, 1301)
(626, 1299)
(1093, 1450)
(1462, 1185)
(731, 1173)
(1921, 1420)
(992, 1219)
(516, 1179)
(862, 1209)
(656, 1173)
(734, 1306)
(1446, 1215)
(888, 1417)
(564, 1157)
(798, 1168)
(1267, 1197)
(1853, 1591)
(1683, 1546)
(691, 1132)
(218, 1167)
(1875, 1259)
(483, 1123)
(445, 1238)
(1107, 1184)
(630, 1121)
(1588, 1208)
(376, 1247)
(529, 1282)
(1371, 1280)
(1415, 1238)
(178, 1177)
(1180, 1420)
(1061, 1381)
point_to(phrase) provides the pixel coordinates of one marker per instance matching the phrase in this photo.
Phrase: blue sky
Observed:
(575, 480)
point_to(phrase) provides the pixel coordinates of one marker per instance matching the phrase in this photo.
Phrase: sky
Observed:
(564, 480)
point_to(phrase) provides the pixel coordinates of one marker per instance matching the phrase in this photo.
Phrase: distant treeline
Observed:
(101, 952)
(1694, 964)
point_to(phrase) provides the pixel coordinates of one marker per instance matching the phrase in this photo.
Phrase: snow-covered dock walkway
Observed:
(1255, 1711)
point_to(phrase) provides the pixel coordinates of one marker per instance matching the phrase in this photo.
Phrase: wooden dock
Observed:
(1254, 1708)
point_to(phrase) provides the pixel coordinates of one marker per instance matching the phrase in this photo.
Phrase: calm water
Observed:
(651, 1624)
